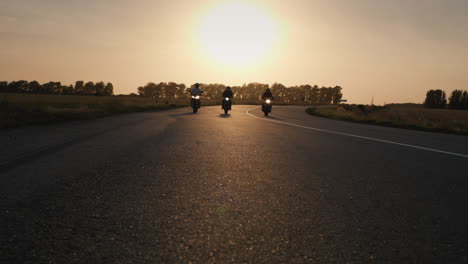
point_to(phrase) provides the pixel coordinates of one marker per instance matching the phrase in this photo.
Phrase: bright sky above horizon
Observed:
(392, 50)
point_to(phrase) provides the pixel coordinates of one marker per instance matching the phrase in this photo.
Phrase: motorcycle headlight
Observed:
(197, 97)
(227, 98)
(268, 101)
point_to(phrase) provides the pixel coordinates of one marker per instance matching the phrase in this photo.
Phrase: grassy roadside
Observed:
(409, 116)
(18, 110)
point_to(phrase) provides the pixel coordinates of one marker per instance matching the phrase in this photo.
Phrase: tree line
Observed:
(438, 99)
(302, 94)
(80, 88)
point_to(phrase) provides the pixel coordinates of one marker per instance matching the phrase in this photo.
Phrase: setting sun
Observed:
(237, 34)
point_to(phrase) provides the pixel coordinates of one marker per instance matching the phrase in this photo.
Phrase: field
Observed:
(411, 116)
(33, 109)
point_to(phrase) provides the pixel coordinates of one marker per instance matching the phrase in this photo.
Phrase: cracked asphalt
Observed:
(174, 187)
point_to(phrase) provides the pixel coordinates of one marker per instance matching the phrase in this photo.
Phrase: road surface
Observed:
(174, 187)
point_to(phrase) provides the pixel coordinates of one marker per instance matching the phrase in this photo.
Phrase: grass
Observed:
(27, 109)
(410, 116)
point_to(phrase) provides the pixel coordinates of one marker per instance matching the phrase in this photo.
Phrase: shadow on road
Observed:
(274, 118)
(225, 116)
(183, 114)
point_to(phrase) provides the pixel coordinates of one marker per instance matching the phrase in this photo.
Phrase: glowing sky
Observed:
(393, 50)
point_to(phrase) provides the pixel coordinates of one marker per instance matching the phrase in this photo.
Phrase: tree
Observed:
(141, 91)
(51, 88)
(79, 87)
(314, 95)
(160, 89)
(435, 99)
(17, 87)
(89, 89)
(181, 91)
(278, 90)
(68, 90)
(465, 100)
(337, 95)
(455, 100)
(150, 90)
(109, 89)
(99, 88)
(3, 87)
(34, 87)
(171, 90)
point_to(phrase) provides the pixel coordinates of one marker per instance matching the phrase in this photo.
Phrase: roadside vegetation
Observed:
(412, 116)
(31, 103)
(80, 88)
(34, 109)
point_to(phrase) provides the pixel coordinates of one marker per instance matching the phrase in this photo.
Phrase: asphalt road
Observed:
(174, 187)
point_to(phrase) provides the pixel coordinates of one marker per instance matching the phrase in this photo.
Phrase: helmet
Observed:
(267, 89)
(197, 85)
(228, 88)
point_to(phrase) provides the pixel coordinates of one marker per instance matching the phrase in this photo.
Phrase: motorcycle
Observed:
(226, 105)
(266, 107)
(195, 103)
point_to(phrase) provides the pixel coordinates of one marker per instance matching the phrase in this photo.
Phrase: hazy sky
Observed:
(394, 50)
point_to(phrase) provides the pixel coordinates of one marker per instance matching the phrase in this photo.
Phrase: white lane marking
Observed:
(357, 136)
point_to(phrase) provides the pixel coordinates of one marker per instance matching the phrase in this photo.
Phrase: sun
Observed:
(237, 34)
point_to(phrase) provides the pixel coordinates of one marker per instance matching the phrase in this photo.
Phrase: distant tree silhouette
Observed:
(302, 94)
(57, 88)
(163, 90)
(99, 88)
(3, 87)
(34, 87)
(109, 89)
(458, 99)
(89, 89)
(337, 95)
(435, 99)
(51, 88)
(17, 87)
(141, 91)
(465, 100)
(170, 90)
(79, 87)
(68, 90)
(150, 90)
(181, 91)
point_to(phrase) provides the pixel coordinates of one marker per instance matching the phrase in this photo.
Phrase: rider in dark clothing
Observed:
(267, 94)
(228, 93)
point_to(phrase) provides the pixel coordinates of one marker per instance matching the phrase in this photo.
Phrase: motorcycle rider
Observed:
(195, 91)
(267, 95)
(227, 94)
